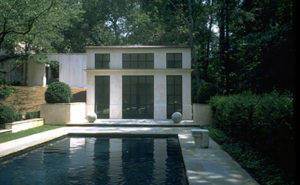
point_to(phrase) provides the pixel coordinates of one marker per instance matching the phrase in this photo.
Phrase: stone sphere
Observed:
(176, 117)
(91, 117)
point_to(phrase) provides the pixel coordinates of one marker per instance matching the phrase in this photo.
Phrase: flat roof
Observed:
(137, 47)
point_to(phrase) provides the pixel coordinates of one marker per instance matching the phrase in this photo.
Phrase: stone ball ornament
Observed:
(91, 117)
(176, 117)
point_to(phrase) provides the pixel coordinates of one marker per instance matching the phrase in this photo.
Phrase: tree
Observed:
(191, 30)
(30, 27)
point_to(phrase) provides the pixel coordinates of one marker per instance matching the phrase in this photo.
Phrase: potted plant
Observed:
(59, 109)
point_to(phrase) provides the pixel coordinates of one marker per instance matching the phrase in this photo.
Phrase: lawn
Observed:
(11, 136)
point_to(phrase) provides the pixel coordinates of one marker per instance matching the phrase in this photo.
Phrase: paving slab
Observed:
(137, 123)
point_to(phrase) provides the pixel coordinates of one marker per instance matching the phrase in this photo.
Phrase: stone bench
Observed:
(201, 137)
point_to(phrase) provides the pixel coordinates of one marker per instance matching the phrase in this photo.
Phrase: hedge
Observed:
(31, 115)
(264, 121)
(260, 167)
(7, 115)
(58, 92)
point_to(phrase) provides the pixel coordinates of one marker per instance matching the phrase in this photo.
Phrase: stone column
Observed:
(186, 97)
(115, 108)
(160, 96)
(90, 96)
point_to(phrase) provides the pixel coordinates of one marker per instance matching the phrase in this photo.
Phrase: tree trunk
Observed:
(224, 43)
(191, 29)
(206, 61)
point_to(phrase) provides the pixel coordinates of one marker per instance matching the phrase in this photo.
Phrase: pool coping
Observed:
(203, 166)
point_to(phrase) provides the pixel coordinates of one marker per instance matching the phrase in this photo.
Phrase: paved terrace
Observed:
(203, 166)
(137, 123)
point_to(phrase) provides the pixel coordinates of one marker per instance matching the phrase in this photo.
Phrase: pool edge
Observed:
(198, 167)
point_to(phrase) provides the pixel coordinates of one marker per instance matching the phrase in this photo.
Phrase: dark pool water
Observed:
(98, 160)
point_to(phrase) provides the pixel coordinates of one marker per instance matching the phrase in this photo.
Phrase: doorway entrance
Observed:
(102, 96)
(138, 97)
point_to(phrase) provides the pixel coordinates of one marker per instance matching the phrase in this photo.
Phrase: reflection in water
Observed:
(137, 160)
(97, 160)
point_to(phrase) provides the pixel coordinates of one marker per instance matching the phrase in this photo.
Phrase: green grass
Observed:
(11, 136)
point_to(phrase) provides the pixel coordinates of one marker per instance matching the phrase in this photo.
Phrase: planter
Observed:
(24, 124)
(63, 113)
(202, 114)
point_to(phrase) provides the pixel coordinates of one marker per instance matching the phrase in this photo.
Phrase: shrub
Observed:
(7, 91)
(58, 92)
(18, 117)
(3, 82)
(31, 115)
(263, 121)
(7, 115)
(260, 166)
(206, 91)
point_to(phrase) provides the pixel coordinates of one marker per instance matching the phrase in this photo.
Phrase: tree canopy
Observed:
(238, 45)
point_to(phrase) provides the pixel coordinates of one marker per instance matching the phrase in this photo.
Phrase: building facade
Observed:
(139, 82)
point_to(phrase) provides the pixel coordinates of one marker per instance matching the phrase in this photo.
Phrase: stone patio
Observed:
(137, 123)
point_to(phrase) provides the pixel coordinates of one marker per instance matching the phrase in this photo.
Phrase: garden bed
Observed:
(11, 136)
(63, 113)
(28, 99)
(18, 126)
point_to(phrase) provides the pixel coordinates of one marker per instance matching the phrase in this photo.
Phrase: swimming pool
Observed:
(98, 160)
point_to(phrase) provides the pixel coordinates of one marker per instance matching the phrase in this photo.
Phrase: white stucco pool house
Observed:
(138, 82)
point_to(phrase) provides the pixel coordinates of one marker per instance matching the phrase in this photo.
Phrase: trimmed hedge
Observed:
(7, 115)
(31, 115)
(58, 92)
(18, 116)
(263, 121)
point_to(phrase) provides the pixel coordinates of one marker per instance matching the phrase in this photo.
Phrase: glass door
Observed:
(102, 96)
(138, 97)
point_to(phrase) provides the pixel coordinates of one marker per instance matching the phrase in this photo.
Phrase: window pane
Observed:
(138, 61)
(102, 61)
(139, 103)
(102, 96)
(174, 95)
(174, 60)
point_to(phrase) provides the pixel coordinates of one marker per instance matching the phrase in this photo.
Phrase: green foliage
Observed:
(54, 66)
(3, 82)
(58, 92)
(31, 115)
(206, 91)
(7, 115)
(7, 91)
(259, 165)
(18, 117)
(263, 121)
(31, 28)
(258, 54)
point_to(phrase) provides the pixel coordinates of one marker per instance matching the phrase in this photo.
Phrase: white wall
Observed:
(36, 74)
(71, 68)
(159, 72)
(159, 56)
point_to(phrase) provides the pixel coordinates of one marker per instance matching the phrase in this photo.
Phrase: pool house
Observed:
(138, 82)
